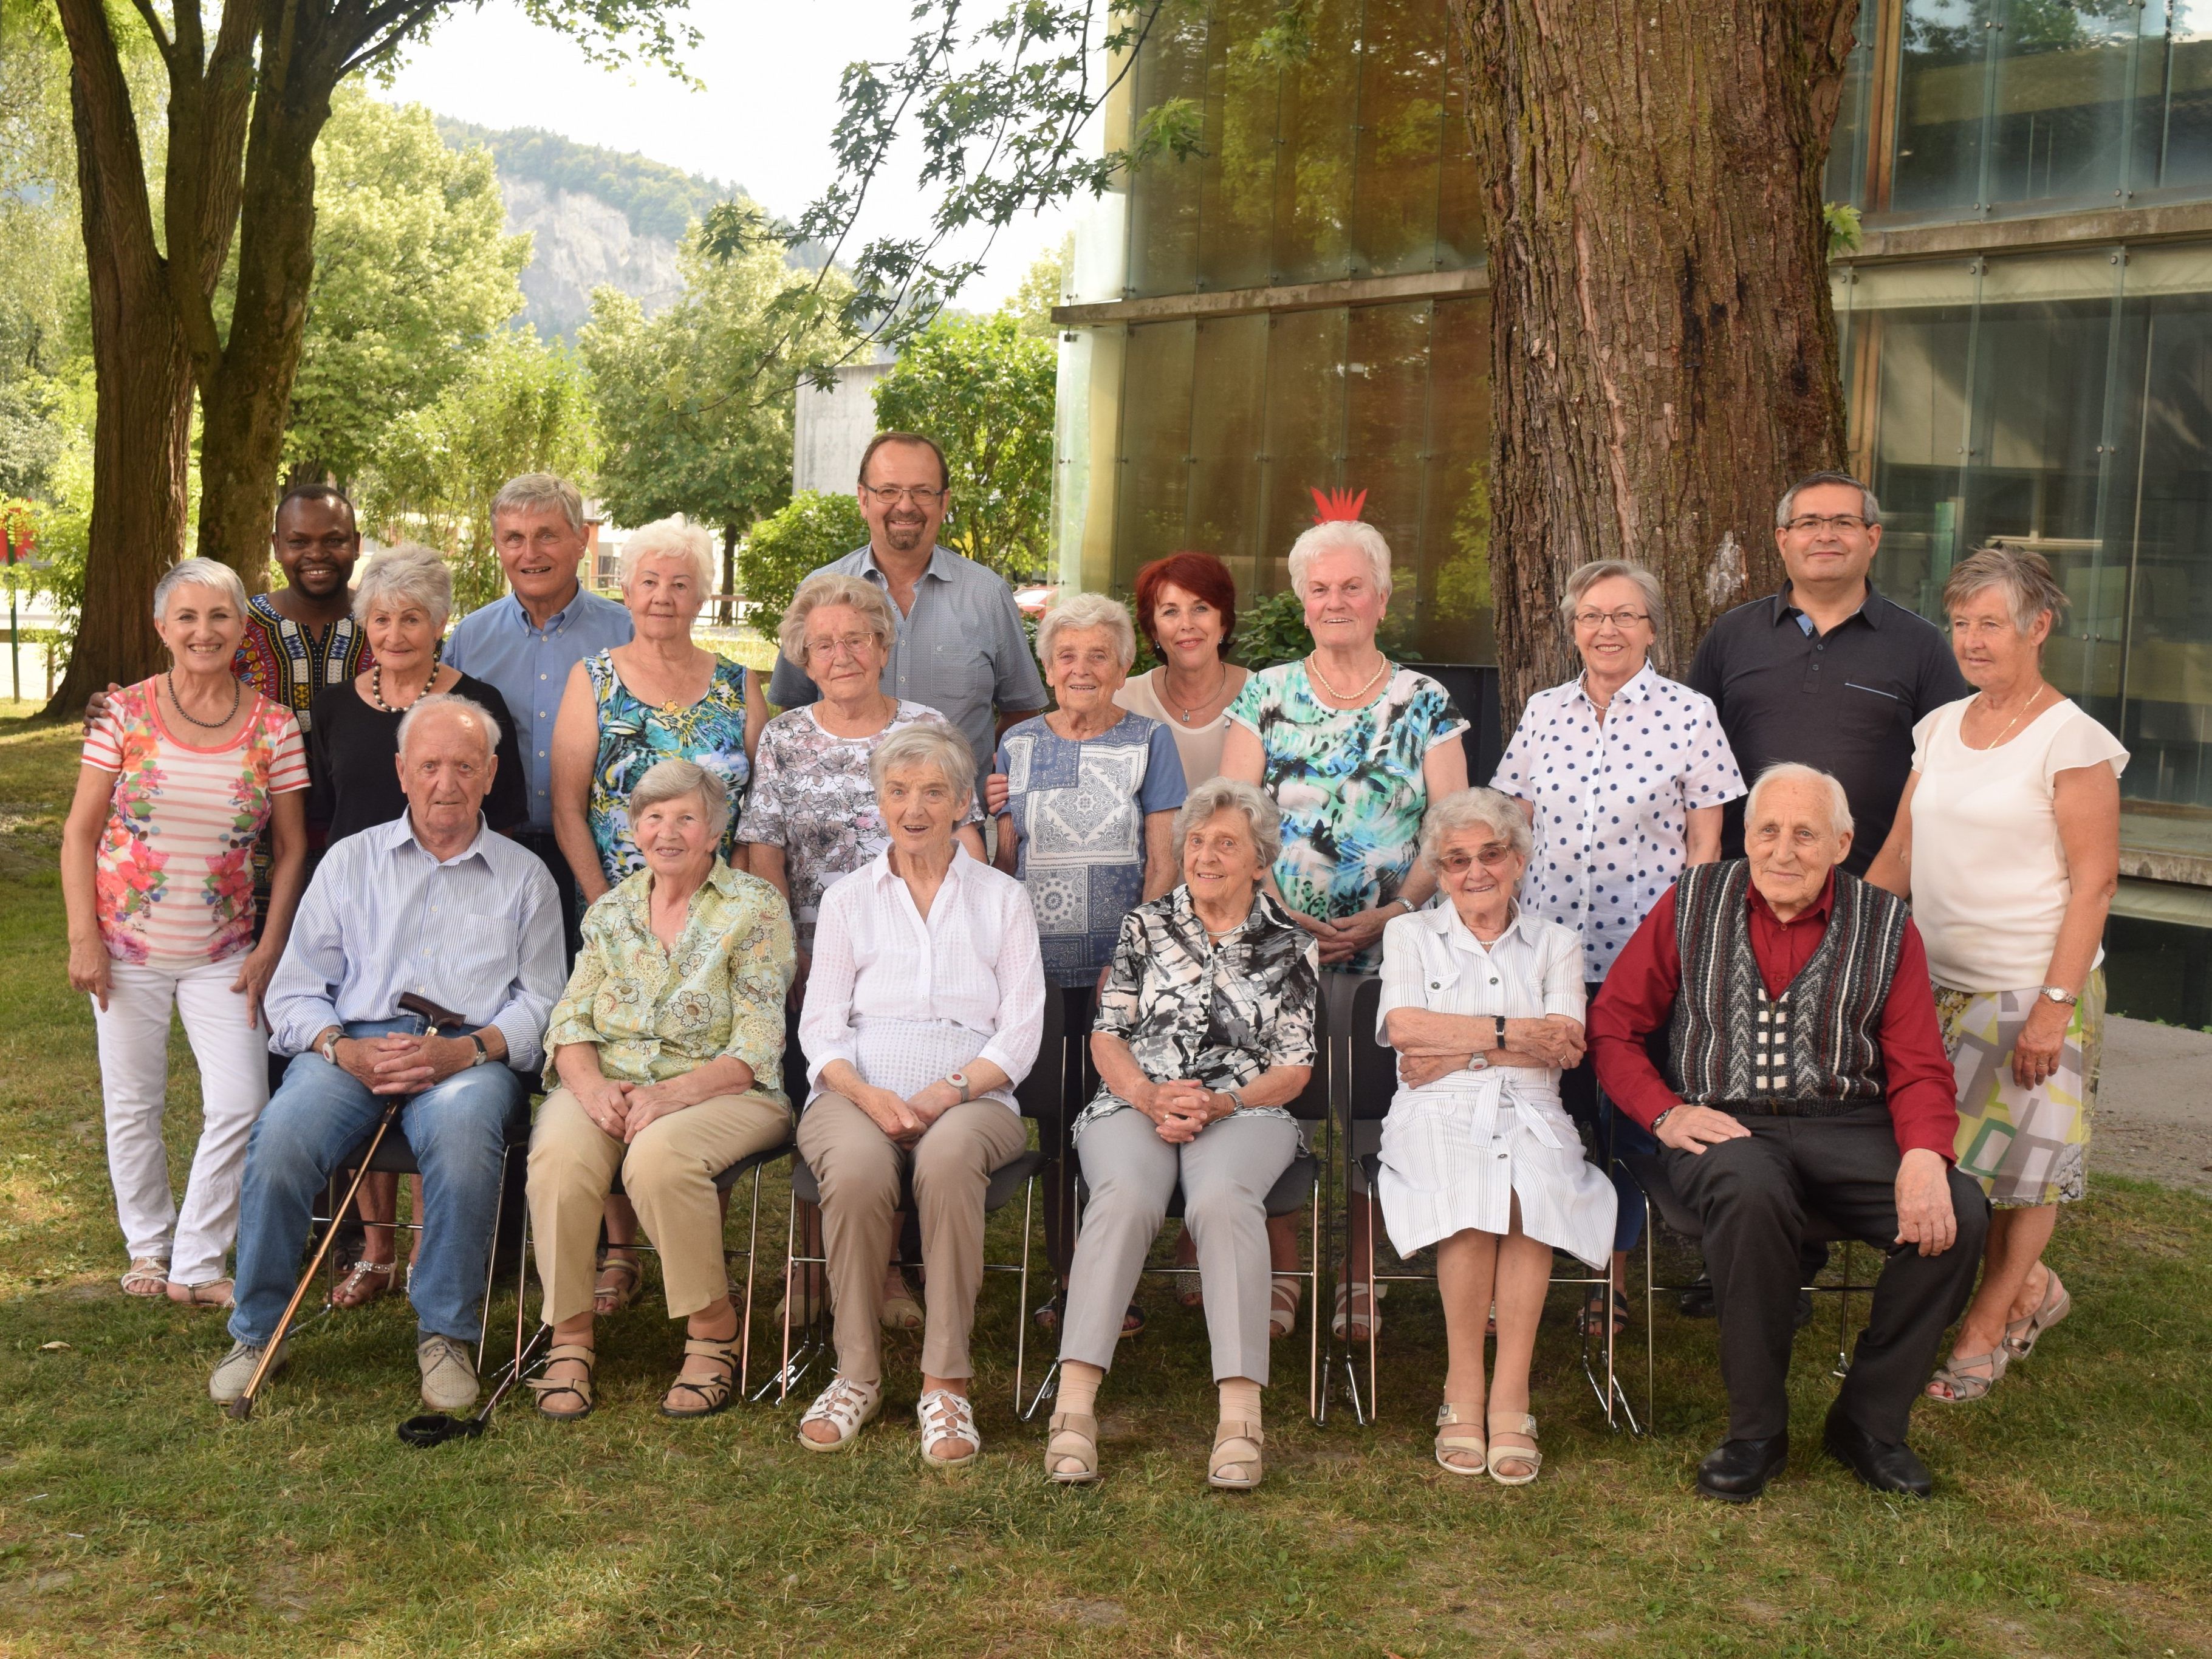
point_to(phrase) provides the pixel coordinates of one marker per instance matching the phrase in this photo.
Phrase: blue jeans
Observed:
(321, 1113)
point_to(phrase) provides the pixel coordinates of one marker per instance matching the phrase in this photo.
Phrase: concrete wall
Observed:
(832, 428)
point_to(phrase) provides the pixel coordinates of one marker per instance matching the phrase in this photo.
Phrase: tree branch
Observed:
(162, 43)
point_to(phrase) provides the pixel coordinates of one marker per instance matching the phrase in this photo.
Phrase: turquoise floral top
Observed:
(634, 736)
(1349, 783)
(656, 1013)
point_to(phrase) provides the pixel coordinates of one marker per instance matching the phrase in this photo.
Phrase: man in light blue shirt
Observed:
(524, 645)
(960, 648)
(435, 906)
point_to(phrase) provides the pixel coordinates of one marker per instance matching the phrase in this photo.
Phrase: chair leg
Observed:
(1650, 1337)
(746, 1314)
(1315, 1404)
(1022, 1322)
(1843, 1315)
(491, 1258)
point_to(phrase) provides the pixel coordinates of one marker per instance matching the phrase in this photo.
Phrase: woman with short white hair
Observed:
(662, 695)
(2008, 843)
(1483, 1001)
(180, 774)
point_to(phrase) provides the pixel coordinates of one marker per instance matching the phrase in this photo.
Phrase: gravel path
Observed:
(2155, 1105)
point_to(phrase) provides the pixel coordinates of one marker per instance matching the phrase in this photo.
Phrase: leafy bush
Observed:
(790, 545)
(1272, 631)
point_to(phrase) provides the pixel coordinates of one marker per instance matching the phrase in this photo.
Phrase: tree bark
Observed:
(1662, 351)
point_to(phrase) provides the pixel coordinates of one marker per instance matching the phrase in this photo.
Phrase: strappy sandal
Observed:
(1971, 1378)
(1450, 1445)
(363, 1283)
(1503, 1454)
(149, 1276)
(1282, 1294)
(845, 1406)
(944, 1416)
(1231, 1468)
(628, 1273)
(545, 1388)
(2021, 1335)
(215, 1293)
(1591, 1321)
(1357, 1316)
(715, 1392)
(1074, 1436)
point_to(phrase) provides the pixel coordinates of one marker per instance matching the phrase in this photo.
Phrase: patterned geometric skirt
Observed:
(2026, 1146)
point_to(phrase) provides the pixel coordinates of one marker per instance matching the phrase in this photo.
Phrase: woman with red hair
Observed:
(1187, 605)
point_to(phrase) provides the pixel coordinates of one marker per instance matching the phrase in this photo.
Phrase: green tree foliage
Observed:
(520, 406)
(1047, 279)
(814, 529)
(984, 391)
(413, 272)
(658, 200)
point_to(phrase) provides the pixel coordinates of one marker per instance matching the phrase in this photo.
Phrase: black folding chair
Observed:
(1039, 1095)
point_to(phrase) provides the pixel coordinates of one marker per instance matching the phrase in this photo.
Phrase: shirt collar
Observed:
(1443, 919)
(400, 832)
(1821, 906)
(1641, 686)
(881, 874)
(939, 566)
(1184, 910)
(562, 617)
(1868, 612)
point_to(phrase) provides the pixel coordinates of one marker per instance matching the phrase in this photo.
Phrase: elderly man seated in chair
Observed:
(1804, 1072)
(435, 908)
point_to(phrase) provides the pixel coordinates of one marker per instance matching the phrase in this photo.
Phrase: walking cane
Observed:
(242, 1408)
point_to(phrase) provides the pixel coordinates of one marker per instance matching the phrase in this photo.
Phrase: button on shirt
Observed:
(478, 933)
(528, 665)
(961, 650)
(1845, 701)
(904, 1000)
(1612, 795)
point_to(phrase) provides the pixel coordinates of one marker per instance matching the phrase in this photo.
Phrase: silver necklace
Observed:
(1313, 667)
(206, 725)
(1189, 709)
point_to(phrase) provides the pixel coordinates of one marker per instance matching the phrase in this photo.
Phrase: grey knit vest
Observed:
(1814, 1050)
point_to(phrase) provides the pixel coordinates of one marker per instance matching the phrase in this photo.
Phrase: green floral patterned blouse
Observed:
(656, 1013)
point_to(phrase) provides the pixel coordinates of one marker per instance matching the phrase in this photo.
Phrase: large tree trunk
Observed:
(1663, 355)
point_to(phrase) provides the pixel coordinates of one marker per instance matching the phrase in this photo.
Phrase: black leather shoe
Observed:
(1884, 1466)
(1737, 1471)
(1697, 1302)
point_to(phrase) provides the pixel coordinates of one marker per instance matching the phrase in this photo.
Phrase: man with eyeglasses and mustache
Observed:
(960, 648)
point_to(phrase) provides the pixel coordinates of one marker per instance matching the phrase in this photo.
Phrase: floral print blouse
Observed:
(635, 736)
(1222, 1013)
(655, 1013)
(1350, 786)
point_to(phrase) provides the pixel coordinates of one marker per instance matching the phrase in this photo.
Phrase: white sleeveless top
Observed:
(1990, 882)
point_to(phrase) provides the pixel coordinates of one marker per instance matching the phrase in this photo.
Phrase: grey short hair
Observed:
(1869, 508)
(673, 779)
(932, 744)
(828, 588)
(199, 572)
(408, 573)
(533, 492)
(456, 703)
(1839, 802)
(1233, 794)
(1478, 808)
(1605, 570)
(1088, 610)
(2024, 576)
(1359, 537)
(669, 539)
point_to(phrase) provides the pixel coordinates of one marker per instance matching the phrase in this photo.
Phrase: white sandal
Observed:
(945, 1416)
(846, 1406)
(1528, 1455)
(1451, 1444)
(149, 1276)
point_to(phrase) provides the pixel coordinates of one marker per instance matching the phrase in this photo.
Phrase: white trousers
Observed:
(134, 1079)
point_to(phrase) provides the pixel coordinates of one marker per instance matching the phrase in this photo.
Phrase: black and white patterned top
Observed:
(1222, 1014)
(1613, 800)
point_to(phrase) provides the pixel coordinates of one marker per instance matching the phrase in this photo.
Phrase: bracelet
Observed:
(1500, 1018)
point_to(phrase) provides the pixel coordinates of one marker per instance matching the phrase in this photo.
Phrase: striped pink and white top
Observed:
(174, 870)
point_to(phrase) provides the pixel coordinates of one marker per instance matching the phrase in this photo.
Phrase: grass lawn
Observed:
(2071, 1516)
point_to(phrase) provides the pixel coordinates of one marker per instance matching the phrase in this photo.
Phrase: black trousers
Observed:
(1752, 1195)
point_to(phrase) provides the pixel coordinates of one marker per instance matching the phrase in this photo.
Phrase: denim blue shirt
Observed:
(529, 666)
(479, 933)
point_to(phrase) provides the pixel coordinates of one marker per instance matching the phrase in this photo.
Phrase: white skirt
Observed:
(1455, 1154)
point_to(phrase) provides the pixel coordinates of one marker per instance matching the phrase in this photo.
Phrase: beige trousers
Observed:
(858, 1167)
(668, 1172)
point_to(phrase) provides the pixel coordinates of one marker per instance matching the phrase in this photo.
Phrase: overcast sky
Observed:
(762, 119)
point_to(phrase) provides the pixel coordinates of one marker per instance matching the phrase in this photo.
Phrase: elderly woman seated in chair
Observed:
(1203, 1037)
(668, 1051)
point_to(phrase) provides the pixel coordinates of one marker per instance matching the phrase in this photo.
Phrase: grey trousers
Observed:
(1226, 1174)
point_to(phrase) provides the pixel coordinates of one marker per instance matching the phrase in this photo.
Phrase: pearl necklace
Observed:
(1313, 667)
(376, 690)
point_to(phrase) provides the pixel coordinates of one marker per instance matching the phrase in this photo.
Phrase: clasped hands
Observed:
(906, 1120)
(1552, 1040)
(1181, 1107)
(400, 1064)
(624, 1110)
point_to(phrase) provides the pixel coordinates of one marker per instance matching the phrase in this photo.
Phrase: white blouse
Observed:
(1990, 882)
(904, 1000)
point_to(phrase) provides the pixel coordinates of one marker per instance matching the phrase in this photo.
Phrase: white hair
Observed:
(1476, 809)
(408, 573)
(673, 779)
(1603, 570)
(669, 539)
(1349, 534)
(829, 587)
(199, 572)
(932, 744)
(1839, 804)
(1088, 610)
(533, 492)
(452, 703)
(1233, 795)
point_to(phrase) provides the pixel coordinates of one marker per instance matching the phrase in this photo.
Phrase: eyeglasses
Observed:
(1457, 863)
(888, 495)
(1806, 523)
(845, 645)
(1623, 620)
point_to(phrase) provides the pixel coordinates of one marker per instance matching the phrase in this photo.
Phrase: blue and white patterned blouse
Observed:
(1612, 801)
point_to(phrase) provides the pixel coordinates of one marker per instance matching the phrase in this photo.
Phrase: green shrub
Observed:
(789, 545)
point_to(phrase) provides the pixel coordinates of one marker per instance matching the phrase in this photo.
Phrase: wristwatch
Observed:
(482, 1053)
(328, 1048)
(1500, 1018)
(2059, 994)
(959, 1080)
(1236, 1097)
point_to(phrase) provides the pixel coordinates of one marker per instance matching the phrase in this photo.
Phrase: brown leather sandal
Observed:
(714, 1393)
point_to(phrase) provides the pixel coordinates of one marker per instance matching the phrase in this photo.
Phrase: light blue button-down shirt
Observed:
(529, 667)
(478, 933)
